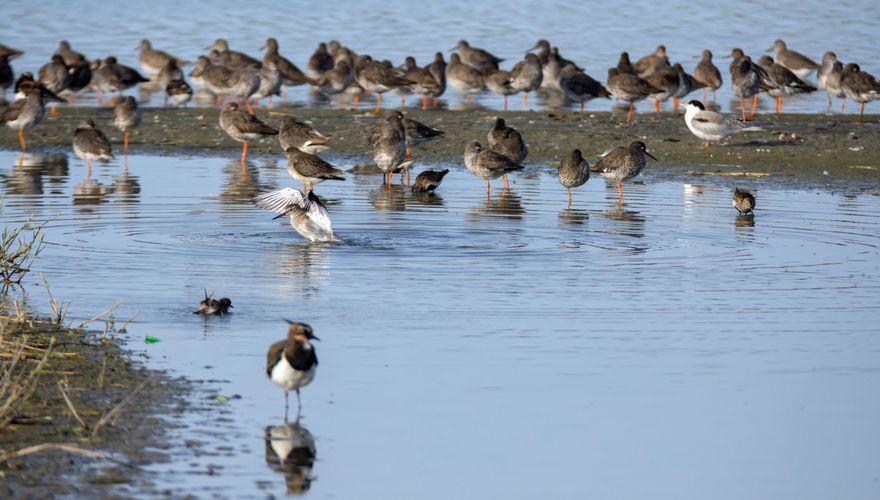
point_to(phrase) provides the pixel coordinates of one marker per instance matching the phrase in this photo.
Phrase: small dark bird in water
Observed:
(743, 201)
(428, 180)
(292, 363)
(214, 307)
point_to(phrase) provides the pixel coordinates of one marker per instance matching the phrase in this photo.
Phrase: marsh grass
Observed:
(19, 247)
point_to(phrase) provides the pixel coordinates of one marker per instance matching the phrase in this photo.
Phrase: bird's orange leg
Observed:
(629, 116)
(112, 101)
(284, 91)
(21, 140)
(424, 103)
(357, 101)
(244, 153)
(675, 104)
(781, 100)
(408, 152)
(436, 103)
(407, 177)
(89, 164)
(843, 105)
(270, 101)
(504, 182)
(526, 101)
(247, 104)
(505, 103)
(53, 111)
(754, 105)
(378, 105)
(705, 144)
(742, 108)
(569, 198)
(402, 102)
(217, 100)
(125, 142)
(488, 188)
(656, 106)
(620, 188)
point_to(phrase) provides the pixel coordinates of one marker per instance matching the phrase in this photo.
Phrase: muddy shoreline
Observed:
(799, 150)
(97, 373)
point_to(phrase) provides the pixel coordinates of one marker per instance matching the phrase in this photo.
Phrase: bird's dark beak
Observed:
(263, 47)
(652, 156)
(209, 47)
(531, 49)
(769, 50)
(453, 49)
(312, 337)
(279, 216)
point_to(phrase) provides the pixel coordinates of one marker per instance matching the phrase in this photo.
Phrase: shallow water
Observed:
(470, 348)
(592, 34)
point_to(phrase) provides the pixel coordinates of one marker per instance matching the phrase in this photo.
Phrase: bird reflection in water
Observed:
(742, 221)
(507, 204)
(290, 450)
(90, 192)
(30, 172)
(430, 199)
(304, 265)
(242, 183)
(126, 188)
(391, 197)
(574, 216)
(631, 223)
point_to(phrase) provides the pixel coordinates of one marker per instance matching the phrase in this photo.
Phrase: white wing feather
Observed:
(280, 201)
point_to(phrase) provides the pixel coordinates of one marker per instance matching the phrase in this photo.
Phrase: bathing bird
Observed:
(292, 363)
(307, 214)
(213, 307)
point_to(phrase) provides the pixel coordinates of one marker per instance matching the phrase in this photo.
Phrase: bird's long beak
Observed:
(652, 156)
(769, 50)
(263, 47)
(279, 216)
(209, 47)
(453, 49)
(313, 337)
(531, 49)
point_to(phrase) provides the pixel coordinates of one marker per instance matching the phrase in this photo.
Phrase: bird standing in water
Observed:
(292, 363)
(574, 171)
(126, 116)
(243, 127)
(621, 164)
(743, 201)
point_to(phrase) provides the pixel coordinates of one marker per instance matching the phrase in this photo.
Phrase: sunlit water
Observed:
(470, 349)
(591, 33)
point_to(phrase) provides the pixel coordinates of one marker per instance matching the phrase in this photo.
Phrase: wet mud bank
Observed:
(796, 150)
(81, 417)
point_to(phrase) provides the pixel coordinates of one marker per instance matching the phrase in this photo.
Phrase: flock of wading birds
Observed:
(334, 69)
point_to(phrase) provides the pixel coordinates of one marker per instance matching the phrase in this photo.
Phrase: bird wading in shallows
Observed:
(292, 363)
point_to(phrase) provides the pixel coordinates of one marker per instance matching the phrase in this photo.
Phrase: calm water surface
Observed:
(591, 33)
(515, 348)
